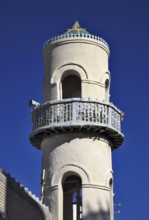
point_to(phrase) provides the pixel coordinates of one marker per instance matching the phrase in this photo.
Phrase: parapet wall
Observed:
(17, 202)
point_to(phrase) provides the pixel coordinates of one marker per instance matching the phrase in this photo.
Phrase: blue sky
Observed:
(24, 27)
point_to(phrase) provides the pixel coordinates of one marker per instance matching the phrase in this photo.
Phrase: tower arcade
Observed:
(77, 127)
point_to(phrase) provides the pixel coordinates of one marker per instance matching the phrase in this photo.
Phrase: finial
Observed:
(75, 25)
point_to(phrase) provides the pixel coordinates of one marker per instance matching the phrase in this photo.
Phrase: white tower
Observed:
(77, 127)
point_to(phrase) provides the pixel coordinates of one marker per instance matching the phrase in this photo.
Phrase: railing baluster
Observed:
(97, 112)
(74, 111)
(87, 112)
(109, 116)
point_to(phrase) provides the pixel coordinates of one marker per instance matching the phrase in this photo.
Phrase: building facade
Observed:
(77, 127)
(17, 202)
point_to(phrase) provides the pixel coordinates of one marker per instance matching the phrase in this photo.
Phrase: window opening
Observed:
(71, 87)
(107, 90)
(111, 198)
(72, 198)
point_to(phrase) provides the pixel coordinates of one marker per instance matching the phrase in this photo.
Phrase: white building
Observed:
(77, 127)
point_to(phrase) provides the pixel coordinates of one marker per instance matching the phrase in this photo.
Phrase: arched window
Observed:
(72, 198)
(111, 198)
(71, 85)
(107, 90)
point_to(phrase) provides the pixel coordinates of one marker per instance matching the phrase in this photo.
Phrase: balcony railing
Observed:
(72, 113)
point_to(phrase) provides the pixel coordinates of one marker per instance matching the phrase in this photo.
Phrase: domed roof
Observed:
(76, 29)
(76, 32)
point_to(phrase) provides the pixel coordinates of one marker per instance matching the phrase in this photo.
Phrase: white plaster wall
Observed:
(91, 56)
(96, 204)
(89, 157)
(84, 154)
(91, 153)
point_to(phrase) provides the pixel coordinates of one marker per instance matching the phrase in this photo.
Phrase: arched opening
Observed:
(71, 86)
(107, 90)
(72, 198)
(111, 198)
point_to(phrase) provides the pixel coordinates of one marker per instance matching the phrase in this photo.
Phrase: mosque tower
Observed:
(77, 127)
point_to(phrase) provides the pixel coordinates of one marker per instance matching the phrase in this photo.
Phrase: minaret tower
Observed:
(77, 127)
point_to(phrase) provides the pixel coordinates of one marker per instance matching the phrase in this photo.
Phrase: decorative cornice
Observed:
(71, 36)
(95, 186)
(93, 82)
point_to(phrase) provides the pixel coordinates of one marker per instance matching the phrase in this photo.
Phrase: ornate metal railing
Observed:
(76, 114)
(74, 111)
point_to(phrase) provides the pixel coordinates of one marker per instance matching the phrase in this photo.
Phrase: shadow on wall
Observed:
(63, 138)
(17, 203)
(100, 214)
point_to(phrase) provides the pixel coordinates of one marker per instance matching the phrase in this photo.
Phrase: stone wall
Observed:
(16, 202)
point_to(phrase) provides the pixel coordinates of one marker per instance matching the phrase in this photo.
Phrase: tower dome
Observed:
(76, 30)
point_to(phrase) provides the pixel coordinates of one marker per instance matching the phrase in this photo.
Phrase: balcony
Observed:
(75, 115)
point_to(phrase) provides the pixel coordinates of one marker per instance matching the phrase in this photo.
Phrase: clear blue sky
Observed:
(24, 27)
